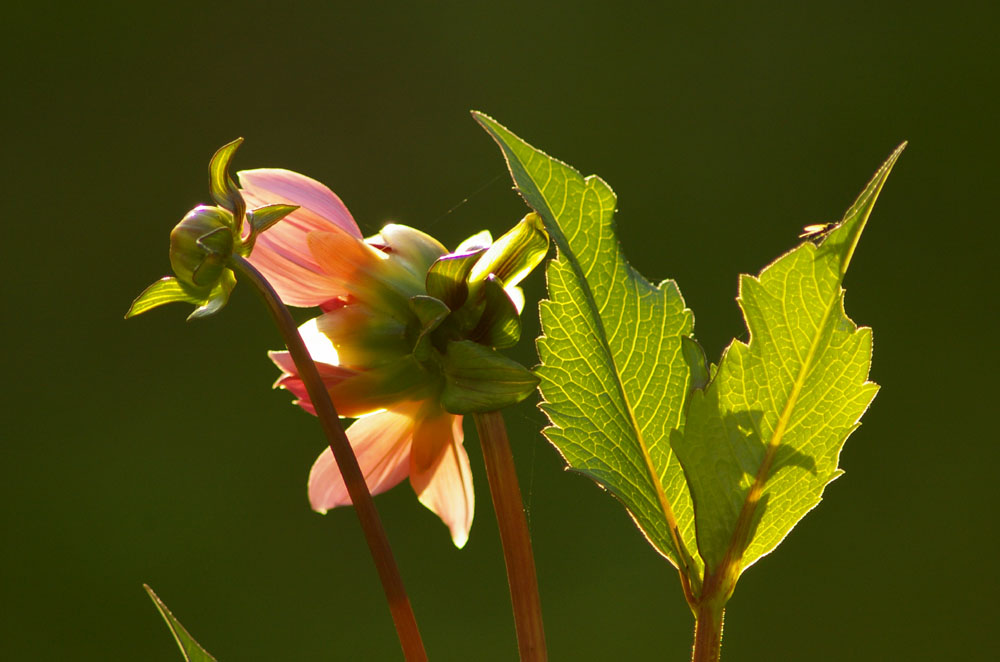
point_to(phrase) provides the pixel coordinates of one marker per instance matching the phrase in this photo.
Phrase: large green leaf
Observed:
(190, 649)
(763, 439)
(613, 373)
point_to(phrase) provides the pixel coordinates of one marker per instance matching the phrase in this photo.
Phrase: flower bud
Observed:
(200, 246)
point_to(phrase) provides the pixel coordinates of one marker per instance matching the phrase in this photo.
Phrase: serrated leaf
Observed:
(613, 374)
(763, 440)
(479, 379)
(190, 649)
(166, 290)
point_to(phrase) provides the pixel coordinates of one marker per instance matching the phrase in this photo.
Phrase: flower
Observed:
(405, 339)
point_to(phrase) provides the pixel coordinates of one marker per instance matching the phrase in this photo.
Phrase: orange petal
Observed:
(382, 444)
(446, 486)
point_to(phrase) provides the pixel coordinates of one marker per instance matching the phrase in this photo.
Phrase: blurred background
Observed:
(155, 450)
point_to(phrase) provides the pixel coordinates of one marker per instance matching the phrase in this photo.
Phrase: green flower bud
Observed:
(200, 246)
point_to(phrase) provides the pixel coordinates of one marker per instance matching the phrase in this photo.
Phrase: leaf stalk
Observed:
(347, 462)
(514, 536)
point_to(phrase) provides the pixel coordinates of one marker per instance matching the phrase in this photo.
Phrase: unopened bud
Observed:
(200, 246)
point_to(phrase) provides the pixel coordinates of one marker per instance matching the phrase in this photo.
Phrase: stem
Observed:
(513, 536)
(364, 506)
(708, 633)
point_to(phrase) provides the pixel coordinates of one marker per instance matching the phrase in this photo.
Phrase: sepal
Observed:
(224, 190)
(446, 279)
(500, 324)
(262, 218)
(430, 312)
(515, 254)
(217, 298)
(166, 290)
(479, 379)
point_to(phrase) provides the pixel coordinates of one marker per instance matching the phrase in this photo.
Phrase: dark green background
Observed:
(154, 450)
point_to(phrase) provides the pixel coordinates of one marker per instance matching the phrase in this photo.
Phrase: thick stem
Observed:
(364, 506)
(513, 536)
(708, 633)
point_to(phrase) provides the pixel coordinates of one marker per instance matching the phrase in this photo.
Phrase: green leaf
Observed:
(763, 440)
(613, 373)
(191, 649)
(166, 290)
(479, 379)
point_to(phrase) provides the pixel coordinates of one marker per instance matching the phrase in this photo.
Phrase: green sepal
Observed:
(260, 220)
(446, 279)
(217, 298)
(431, 312)
(190, 649)
(224, 190)
(218, 246)
(479, 241)
(479, 379)
(516, 253)
(694, 356)
(500, 325)
(166, 290)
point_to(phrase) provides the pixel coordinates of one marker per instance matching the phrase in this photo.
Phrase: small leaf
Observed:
(190, 649)
(479, 379)
(218, 298)
(446, 277)
(697, 362)
(224, 190)
(262, 218)
(500, 325)
(613, 374)
(166, 290)
(763, 440)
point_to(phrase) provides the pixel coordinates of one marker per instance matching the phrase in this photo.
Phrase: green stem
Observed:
(514, 536)
(708, 633)
(364, 506)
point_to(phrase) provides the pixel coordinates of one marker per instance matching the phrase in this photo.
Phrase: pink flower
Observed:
(363, 344)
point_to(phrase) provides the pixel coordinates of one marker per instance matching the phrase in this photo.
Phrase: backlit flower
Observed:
(405, 362)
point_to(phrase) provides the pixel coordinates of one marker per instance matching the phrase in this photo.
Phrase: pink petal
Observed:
(282, 253)
(382, 444)
(319, 204)
(446, 487)
(330, 374)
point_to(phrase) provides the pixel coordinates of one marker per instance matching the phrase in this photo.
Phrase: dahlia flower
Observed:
(405, 340)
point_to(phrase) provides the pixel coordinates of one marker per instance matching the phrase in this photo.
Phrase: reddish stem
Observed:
(364, 506)
(514, 536)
